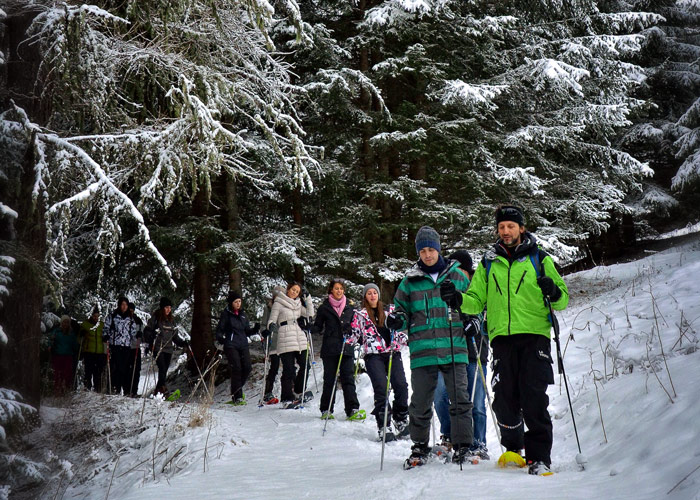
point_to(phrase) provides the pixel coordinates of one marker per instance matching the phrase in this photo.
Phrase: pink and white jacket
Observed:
(366, 333)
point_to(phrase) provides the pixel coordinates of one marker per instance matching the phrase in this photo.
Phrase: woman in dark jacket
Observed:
(333, 320)
(233, 331)
(161, 333)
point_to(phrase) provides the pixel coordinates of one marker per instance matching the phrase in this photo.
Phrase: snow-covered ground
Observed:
(637, 409)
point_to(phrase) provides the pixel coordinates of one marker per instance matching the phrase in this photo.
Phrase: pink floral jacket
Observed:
(365, 332)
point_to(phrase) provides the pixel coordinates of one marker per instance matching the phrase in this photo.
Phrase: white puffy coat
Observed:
(285, 312)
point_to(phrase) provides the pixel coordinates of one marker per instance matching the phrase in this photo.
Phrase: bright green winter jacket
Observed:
(515, 301)
(418, 296)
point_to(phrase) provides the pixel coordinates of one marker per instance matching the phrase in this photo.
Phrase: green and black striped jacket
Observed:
(427, 317)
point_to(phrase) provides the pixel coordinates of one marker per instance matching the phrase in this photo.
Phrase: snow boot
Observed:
(390, 435)
(308, 396)
(326, 415)
(401, 427)
(511, 459)
(538, 468)
(357, 415)
(463, 455)
(420, 454)
(445, 442)
(480, 451)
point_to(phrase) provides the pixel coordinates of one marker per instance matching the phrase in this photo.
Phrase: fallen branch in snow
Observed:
(686, 477)
(655, 308)
(651, 368)
(112, 478)
(597, 395)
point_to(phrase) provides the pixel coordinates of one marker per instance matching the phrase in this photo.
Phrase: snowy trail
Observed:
(615, 315)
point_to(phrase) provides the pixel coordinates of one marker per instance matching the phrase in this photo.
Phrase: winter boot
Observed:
(357, 415)
(326, 415)
(308, 396)
(480, 450)
(420, 454)
(401, 427)
(463, 455)
(390, 435)
(538, 468)
(445, 442)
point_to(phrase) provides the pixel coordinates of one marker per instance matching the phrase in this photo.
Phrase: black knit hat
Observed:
(165, 302)
(233, 295)
(510, 213)
(464, 259)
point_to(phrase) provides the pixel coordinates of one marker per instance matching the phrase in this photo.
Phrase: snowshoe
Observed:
(480, 451)
(270, 399)
(463, 455)
(357, 416)
(538, 468)
(401, 427)
(511, 459)
(293, 405)
(175, 395)
(420, 455)
(442, 452)
(326, 415)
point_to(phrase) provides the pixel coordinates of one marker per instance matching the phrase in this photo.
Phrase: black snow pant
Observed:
(522, 370)
(293, 378)
(162, 362)
(377, 366)
(347, 382)
(272, 371)
(135, 371)
(239, 362)
(120, 366)
(94, 366)
(424, 382)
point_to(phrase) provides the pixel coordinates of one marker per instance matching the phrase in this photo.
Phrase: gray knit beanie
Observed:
(368, 287)
(427, 237)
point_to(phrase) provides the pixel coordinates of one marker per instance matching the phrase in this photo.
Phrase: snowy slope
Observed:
(616, 313)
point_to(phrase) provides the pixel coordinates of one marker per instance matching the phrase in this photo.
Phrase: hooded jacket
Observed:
(285, 313)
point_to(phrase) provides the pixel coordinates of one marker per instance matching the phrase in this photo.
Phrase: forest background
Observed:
(189, 147)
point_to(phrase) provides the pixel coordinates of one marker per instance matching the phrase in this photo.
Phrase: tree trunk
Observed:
(232, 224)
(201, 284)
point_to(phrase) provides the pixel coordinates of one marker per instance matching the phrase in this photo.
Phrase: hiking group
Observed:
(448, 314)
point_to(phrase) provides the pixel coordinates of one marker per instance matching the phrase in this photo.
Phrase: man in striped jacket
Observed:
(434, 334)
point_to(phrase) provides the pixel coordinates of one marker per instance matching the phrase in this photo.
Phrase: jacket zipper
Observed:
(509, 316)
(497, 285)
(427, 311)
(521, 282)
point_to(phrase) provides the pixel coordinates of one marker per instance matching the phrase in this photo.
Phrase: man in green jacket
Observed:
(434, 334)
(516, 279)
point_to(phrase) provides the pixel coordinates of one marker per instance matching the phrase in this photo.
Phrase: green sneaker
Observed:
(326, 415)
(358, 416)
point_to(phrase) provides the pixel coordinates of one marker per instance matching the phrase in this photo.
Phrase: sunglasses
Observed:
(338, 280)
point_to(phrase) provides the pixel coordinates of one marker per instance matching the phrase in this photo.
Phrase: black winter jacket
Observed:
(233, 329)
(333, 328)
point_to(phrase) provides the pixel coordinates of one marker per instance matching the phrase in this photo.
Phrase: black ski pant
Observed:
(293, 378)
(135, 371)
(120, 366)
(347, 382)
(424, 381)
(377, 366)
(522, 370)
(272, 371)
(163, 363)
(94, 366)
(239, 362)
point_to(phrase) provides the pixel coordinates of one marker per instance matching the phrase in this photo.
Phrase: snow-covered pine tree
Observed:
(151, 109)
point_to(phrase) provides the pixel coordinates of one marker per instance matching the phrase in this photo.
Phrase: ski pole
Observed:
(313, 358)
(262, 389)
(133, 372)
(454, 372)
(580, 459)
(386, 400)
(75, 376)
(488, 400)
(109, 371)
(306, 374)
(335, 384)
(356, 355)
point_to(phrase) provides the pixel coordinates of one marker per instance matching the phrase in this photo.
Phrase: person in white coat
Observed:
(289, 317)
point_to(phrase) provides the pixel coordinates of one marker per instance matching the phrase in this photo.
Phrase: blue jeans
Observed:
(442, 404)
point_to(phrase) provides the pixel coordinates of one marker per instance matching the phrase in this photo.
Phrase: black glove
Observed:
(394, 321)
(472, 326)
(304, 292)
(449, 293)
(266, 333)
(549, 289)
(347, 330)
(302, 322)
(274, 328)
(255, 329)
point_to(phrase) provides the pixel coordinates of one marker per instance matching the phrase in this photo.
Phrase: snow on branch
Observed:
(472, 96)
(546, 72)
